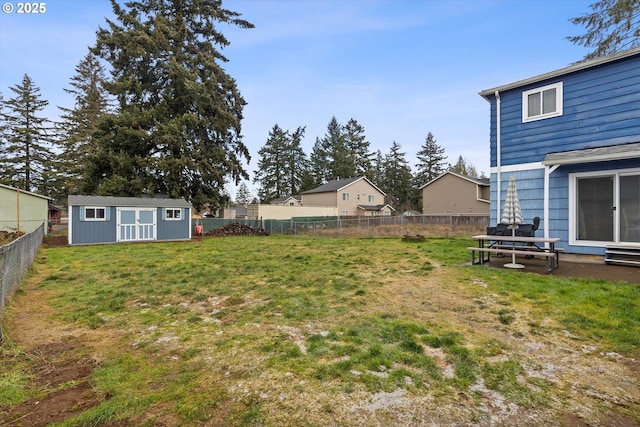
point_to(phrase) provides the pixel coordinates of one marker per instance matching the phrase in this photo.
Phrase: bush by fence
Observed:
(15, 258)
(431, 225)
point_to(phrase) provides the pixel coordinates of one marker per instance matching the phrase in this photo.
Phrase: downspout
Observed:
(498, 157)
(548, 170)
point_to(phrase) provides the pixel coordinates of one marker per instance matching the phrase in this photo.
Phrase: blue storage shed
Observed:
(106, 219)
(571, 139)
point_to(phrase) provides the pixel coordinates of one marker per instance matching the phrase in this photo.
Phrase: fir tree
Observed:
(358, 146)
(612, 26)
(397, 182)
(464, 167)
(28, 157)
(431, 161)
(177, 128)
(80, 123)
(243, 195)
(272, 172)
(296, 162)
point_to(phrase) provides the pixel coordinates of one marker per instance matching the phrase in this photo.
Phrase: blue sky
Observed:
(401, 68)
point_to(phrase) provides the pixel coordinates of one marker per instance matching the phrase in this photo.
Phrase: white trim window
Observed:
(94, 214)
(171, 214)
(345, 196)
(542, 103)
(371, 199)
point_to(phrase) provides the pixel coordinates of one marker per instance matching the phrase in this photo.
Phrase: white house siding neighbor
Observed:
(22, 210)
(259, 211)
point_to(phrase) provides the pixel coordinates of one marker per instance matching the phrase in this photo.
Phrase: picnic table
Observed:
(519, 245)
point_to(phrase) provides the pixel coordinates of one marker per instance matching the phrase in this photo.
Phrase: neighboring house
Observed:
(451, 193)
(351, 196)
(571, 139)
(22, 210)
(105, 219)
(295, 200)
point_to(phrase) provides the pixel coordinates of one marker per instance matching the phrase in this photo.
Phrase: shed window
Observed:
(542, 103)
(95, 214)
(173, 214)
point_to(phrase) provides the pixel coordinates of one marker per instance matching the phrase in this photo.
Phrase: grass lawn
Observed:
(289, 331)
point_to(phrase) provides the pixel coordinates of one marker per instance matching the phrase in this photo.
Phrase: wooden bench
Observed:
(552, 258)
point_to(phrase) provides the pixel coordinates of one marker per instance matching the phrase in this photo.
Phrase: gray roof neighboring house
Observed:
(338, 184)
(479, 181)
(151, 202)
(375, 208)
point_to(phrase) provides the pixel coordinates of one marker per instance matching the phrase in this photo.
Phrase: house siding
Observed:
(173, 229)
(106, 231)
(361, 188)
(33, 212)
(452, 194)
(600, 108)
(89, 232)
(530, 184)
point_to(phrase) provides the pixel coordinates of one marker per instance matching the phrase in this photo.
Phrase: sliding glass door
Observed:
(607, 208)
(629, 208)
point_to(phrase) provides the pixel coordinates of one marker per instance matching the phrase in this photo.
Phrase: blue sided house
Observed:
(103, 219)
(571, 139)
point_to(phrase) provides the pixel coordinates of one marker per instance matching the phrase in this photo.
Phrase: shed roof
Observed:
(489, 93)
(597, 154)
(144, 202)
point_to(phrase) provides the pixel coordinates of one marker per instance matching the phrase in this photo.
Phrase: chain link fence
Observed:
(15, 259)
(377, 226)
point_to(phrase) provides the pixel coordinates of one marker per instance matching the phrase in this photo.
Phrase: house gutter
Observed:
(498, 156)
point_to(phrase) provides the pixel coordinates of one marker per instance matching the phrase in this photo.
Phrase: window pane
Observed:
(90, 213)
(533, 105)
(595, 213)
(630, 208)
(549, 101)
(100, 213)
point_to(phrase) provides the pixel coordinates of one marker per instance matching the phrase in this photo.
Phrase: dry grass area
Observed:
(529, 370)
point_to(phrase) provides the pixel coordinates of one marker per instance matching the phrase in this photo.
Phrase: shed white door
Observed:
(135, 224)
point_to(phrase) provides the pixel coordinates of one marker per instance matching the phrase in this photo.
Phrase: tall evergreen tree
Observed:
(431, 161)
(464, 167)
(319, 165)
(80, 123)
(177, 129)
(296, 162)
(28, 156)
(612, 26)
(377, 169)
(243, 195)
(272, 172)
(397, 182)
(358, 147)
(332, 158)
